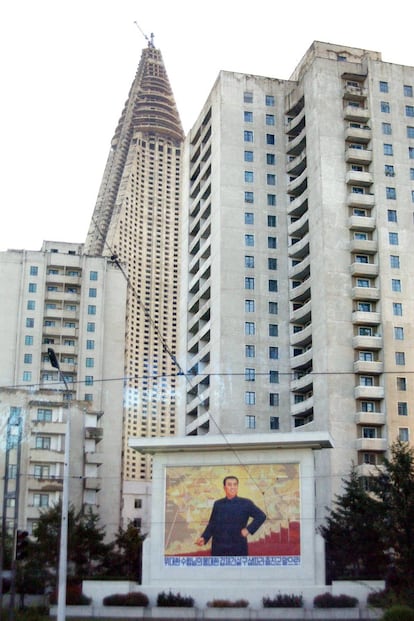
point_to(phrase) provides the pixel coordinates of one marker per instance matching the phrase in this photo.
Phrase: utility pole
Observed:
(63, 548)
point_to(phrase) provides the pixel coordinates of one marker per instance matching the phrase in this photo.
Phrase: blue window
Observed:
(248, 136)
(249, 327)
(27, 376)
(399, 357)
(270, 139)
(31, 305)
(90, 327)
(273, 329)
(391, 193)
(91, 309)
(271, 200)
(393, 238)
(248, 97)
(385, 106)
(273, 308)
(249, 282)
(397, 309)
(410, 132)
(271, 263)
(272, 285)
(248, 116)
(250, 399)
(271, 179)
(249, 197)
(271, 221)
(29, 322)
(408, 90)
(270, 159)
(411, 153)
(383, 86)
(32, 287)
(270, 100)
(28, 340)
(92, 292)
(398, 333)
(250, 351)
(28, 358)
(392, 215)
(248, 261)
(88, 380)
(89, 362)
(248, 176)
(273, 353)
(249, 306)
(274, 377)
(249, 240)
(409, 110)
(272, 242)
(90, 344)
(248, 156)
(93, 275)
(270, 119)
(249, 217)
(396, 284)
(34, 270)
(386, 128)
(388, 150)
(394, 261)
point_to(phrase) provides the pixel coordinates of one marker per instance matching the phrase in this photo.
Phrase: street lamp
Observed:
(63, 548)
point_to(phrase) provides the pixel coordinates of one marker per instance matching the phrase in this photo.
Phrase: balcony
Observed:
(296, 165)
(361, 223)
(296, 125)
(301, 270)
(358, 114)
(301, 360)
(370, 418)
(302, 408)
(358, 156)
(366, 318)
(303, 384)
(93, 458)
(355, 92)
(358, 177)
(302, 337)
(93, 483)
(368, 367)
(364, 246)
(301, 293)
(365, 293)
(299, 249)
(297, 145)
(299, 227)
(298, 185)
(364, 269)
(299, 205)
(302, 314)
(367, 342)
(93, 433)
(358, 134)
(371, 444)
(369, 392)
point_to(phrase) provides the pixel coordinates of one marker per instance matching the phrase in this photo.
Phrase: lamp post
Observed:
(63, 548)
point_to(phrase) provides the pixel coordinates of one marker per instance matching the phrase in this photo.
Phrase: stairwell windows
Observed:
(271, 179)
(400, 358)
(270, 139)
(383, 87)
(273, 329)
(270, 119)
(391, 193)
(250, 397)
(403, 434)
(412, 174)
(250, 351)
(273, 308)
(271, 263)
(270, 159)
(408, 90)
(248, 116)
(411, 153)
(271, 221)
(249, 217)
(27, 376)
(389, 170)
(248, 156)
(250, 421)
(388, 149)
(274, 423)
(249, 197)
(386, 128)
(89, 363)
(392, 215)
(409, 110)
(249, 306)
(249, 240)
(273, 353)
(248, 261)
(248, 135)
(397, 309)
(249, 328)
(248, 176)
(272, 242)
(385, 107)
(393, 238)
(402, 408)
(249, 374)
(248, 97)
(269, 100)
(274, 377)
(274, 399)
(271, 200)
(272, 286)
(401, 383)
(410, 132)
(394, 261)
(396, 284)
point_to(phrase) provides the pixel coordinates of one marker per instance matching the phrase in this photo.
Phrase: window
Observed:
(393, 238)
(399, 358)
(40, 500)
(33, 270)
(28, 340)
(271, 179)
(27, 359)
(271, 221)
(409, 110)
(273, 329)
(249, 197)
(412, 174)
(402, 408)
(90, 344)
(31, 305)
(388, 150)
(249, 327)
(91, 309)
(249, 282)
(250, 351)
(273, 308)
(269, 100)
(408, 90)
(248, 261)
(389, 170)
(398, 333)
(249, 217)
(248, 176)
(248, 156)
(386, 128)
(401, 383)
(410, 132)
(90, 326)
(392, 215)
(396, 284)
(274, 377)
(27, 376)
(391, 193)
(272, 263)
(383, 86)
(271, 242)
(92, 292)
(272, 285)
(274, 423)
(249, 306)
(273, 353)
(93, 275)
(44, 415)
(271, 200)
(411, 153)
(248, 116)
(249, 374)
(274, 399)
(366, 380)
(248, 97)
(270, 139)
(360, 235)
(403, 434)
(385, 107)
(397, 309)
(270, 159)
(367, 406)
(42, 442)
(363, 282)
(361, 258)
(89, 362)
(32, 287)
(250, 421)
(250, 397)
(270, 119)
(365, 307)
(370, 432)
(394, 261)
(357, 190)
(366, 356)
(88, 380)
(248, 136)
(41, 471)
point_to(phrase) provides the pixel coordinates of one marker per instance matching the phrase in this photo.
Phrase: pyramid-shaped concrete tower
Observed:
(137, 218)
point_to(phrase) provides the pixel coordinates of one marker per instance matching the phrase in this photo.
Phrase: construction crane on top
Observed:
(150, 39)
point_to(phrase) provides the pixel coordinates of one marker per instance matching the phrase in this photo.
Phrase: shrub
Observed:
(126, 599)
(32, 613)
(283, 601)
(327, 600)
(390, 597)
(399, 613)
(174, 599)
(225, 603)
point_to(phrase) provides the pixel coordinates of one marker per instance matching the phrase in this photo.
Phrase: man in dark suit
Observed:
(229, 525)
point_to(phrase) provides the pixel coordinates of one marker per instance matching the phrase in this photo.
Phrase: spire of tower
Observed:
(149, 109)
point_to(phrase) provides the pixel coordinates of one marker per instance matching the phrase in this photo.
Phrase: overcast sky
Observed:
(67, 67)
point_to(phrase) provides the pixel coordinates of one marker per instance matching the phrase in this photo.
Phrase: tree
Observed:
(126, 559)
(351, 533)
(394, 487)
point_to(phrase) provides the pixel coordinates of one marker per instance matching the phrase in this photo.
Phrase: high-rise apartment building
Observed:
(136, 218)
(298, 264)
(59, 298)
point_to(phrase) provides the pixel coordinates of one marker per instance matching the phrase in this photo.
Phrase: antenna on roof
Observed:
(151, 37)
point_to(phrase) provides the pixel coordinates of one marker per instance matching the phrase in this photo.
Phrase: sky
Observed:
(67, 66)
